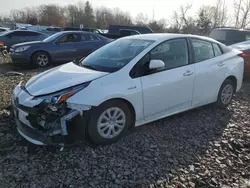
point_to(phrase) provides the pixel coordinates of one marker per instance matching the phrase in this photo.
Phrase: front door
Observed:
(169, 90)
(65, 49)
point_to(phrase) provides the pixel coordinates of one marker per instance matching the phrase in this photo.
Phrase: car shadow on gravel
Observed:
(150, 154)
(6, 67)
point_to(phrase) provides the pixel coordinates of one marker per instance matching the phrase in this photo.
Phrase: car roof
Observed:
(12, 31)
(166, 36)
(68, 32)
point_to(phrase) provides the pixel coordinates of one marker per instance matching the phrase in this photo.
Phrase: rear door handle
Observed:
(220, 64)
(188, 73)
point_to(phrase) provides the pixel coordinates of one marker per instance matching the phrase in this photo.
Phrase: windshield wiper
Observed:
(89, 67)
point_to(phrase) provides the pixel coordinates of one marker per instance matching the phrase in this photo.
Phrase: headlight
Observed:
(63, 95)
(22, 48)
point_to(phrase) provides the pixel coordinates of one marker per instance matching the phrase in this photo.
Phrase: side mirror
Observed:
(156, 64)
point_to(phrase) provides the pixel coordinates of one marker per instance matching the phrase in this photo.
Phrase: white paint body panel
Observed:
(154, 96)
(163, 92)
(59, 78)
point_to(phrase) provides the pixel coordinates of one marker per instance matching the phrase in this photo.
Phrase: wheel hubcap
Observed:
(227, 94)
(111, 122)
(42, 60)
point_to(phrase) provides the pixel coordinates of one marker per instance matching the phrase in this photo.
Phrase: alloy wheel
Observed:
(42, 60)
(227, 94)
(111, 122)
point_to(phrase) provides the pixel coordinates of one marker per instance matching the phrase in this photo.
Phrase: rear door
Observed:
(210, 68)
(88, 43)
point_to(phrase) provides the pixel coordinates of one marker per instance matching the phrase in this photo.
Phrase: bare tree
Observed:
(141, 19)
(245, 14)
(184, 10)
(102, 14)
(176, 23)
(237, 9)
(89, 17)
(220, 17)
(72, 14)
(52, 15)
(181, 22)
(158, 26)
(122, 18)
(204, 20)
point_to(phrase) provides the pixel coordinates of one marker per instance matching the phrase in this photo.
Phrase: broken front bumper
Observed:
(26, 115)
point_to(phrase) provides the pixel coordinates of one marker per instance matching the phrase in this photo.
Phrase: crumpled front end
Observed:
(43, 122)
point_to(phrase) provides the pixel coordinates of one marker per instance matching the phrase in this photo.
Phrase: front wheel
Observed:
(41, 59)
(225, 94)
(109, 122)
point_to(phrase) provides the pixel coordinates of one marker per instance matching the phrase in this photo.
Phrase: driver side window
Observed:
(68, 38)
(173, 53)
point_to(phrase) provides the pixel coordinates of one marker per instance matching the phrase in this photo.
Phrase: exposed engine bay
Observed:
(51, 122)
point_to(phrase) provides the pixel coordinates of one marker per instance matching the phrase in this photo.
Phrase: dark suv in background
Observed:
(229, 36)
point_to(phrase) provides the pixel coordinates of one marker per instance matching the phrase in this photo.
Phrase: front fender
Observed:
(98, 92)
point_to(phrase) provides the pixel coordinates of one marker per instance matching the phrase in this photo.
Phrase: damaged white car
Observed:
(129, 82)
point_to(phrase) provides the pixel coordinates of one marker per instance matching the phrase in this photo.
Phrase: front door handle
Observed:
(221, 64)
(188, 73)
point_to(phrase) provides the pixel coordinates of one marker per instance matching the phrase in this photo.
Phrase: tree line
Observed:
(204, 19)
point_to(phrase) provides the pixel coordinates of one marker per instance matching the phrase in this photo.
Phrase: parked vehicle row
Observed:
(118, 31)
(128, 82)
(10, 38)
(36, 48)
(61, 47)
(235, 38)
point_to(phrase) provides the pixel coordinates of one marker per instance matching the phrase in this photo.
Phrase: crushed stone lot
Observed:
(205, 147)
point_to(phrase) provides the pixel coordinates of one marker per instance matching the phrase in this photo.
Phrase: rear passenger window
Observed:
(217, 50)
(29, 34)
(87, 37)
(203, 50)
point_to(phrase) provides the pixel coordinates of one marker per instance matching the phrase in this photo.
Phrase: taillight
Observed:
(244, 54)
(1, 43)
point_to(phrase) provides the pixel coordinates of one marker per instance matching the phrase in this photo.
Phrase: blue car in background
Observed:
(61, 47)
(9, 38)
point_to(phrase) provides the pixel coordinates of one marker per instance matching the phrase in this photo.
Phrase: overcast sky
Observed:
(163, 8)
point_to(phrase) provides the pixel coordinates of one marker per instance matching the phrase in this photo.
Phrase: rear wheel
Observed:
(41, 59)
(225, 94)
(109, 122)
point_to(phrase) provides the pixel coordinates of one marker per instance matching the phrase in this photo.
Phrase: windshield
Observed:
(115, 55)
(52, 37)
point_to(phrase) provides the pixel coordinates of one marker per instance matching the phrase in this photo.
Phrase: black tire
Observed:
(220, 103)
(42, 62)
(96, 113)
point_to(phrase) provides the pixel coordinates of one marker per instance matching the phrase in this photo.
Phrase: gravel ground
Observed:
(205, 147)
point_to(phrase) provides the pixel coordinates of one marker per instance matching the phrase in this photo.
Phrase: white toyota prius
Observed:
(129, 82)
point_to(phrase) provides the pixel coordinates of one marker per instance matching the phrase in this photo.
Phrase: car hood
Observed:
(59, 78)
(27, 43)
